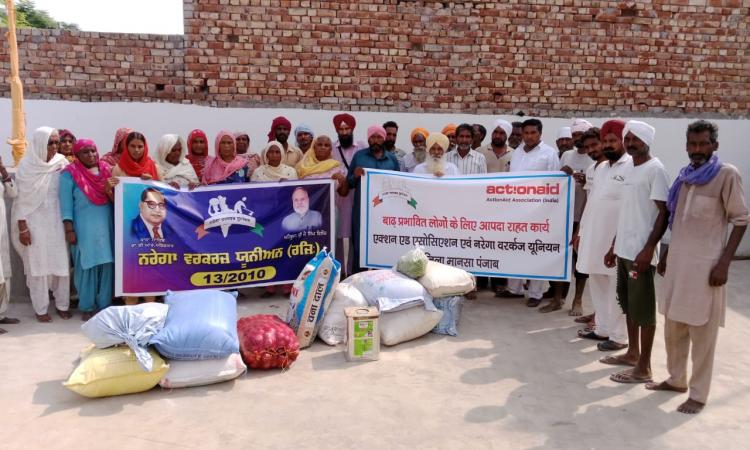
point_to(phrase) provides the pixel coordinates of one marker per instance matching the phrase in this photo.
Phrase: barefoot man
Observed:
(642, 222)
(704, 199)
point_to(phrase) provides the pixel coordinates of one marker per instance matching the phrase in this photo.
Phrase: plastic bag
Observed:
(451, 307)
(413, 263)
(334, 326)
(266, 342)
(200, 325)
(311, 294)
(114, 371)
(130, 325)
(390, 290)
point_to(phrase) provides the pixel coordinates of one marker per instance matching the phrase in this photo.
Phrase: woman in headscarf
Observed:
(38, 234)
(197, 143)
(242, 140)
(419, 154)
(113, 157)
(134, 161)
(67, 140)
(87, 217)
(317, 163)
(226, 167)
(273, 169)
(175, 169)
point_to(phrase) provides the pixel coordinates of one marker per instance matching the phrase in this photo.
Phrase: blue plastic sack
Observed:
(200, 325)
(451, 307)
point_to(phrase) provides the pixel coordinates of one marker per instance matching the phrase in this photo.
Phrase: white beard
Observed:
(435, 165)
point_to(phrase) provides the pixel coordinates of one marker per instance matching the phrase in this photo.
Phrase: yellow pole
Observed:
(18, 138)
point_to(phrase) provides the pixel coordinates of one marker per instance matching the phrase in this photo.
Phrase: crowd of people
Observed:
(625, 205)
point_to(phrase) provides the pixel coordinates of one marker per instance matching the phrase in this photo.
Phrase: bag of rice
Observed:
(446, 281)
(333, 329)
(401, 326)
(184, 374)
(413, 263)
(390, 290)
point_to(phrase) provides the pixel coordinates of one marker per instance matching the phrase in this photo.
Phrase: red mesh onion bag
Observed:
(266, 342)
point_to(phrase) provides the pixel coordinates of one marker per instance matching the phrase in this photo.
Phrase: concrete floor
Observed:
(514, 378)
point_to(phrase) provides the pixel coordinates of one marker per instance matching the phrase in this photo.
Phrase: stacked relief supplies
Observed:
(406, 298)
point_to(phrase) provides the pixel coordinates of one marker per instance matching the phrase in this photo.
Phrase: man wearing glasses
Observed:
(150, 223)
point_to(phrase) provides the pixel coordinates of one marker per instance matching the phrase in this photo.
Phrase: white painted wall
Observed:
(99, 121)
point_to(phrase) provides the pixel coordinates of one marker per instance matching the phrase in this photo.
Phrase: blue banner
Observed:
(216, 237)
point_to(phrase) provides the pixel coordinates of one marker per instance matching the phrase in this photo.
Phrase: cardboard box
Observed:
(363, 333)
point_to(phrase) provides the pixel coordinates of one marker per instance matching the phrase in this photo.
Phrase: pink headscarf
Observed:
(113, 157)
(217, 169)
(91, 184)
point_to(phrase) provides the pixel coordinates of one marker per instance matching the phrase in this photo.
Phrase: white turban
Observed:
(641, 130)
(580, 125)
(505, 125)
(564, 132)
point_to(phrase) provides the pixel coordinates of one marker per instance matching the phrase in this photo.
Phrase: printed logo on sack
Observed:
(394, 189)
(222, 217)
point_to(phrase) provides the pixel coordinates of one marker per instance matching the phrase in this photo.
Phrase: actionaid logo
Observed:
(509, 189)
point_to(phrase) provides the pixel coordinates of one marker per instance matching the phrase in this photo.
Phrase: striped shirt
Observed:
(474, 162)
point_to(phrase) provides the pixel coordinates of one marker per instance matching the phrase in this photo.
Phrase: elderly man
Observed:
(450, 131)
(302, 217)
(419, 149)
(516, 135)
(497, 154)
(594, 238)
(280, 129)
(564, 140)
(480, 132)
(391, 134)
(436, 164)
(304, 136)
(375, 156)
(533, 155)
(705, 198)
(467, 160)
(343, 151)
(642, 222)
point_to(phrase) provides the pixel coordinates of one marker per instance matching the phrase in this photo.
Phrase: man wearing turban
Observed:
(343, 151)
(642, 222)
(375, 156)
(281, 127)
(594, 236)
(450, 131)
(497, 153)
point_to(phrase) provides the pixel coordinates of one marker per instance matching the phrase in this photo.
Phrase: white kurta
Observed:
(600, 217)
(7, 190)
(48, 252)
(449, 170)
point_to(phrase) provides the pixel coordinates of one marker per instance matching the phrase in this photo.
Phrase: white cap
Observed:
(564, 132)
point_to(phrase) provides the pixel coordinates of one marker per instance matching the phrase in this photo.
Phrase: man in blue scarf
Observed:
(705, 198)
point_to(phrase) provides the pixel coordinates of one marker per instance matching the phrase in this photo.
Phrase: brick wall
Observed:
(543, 57)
